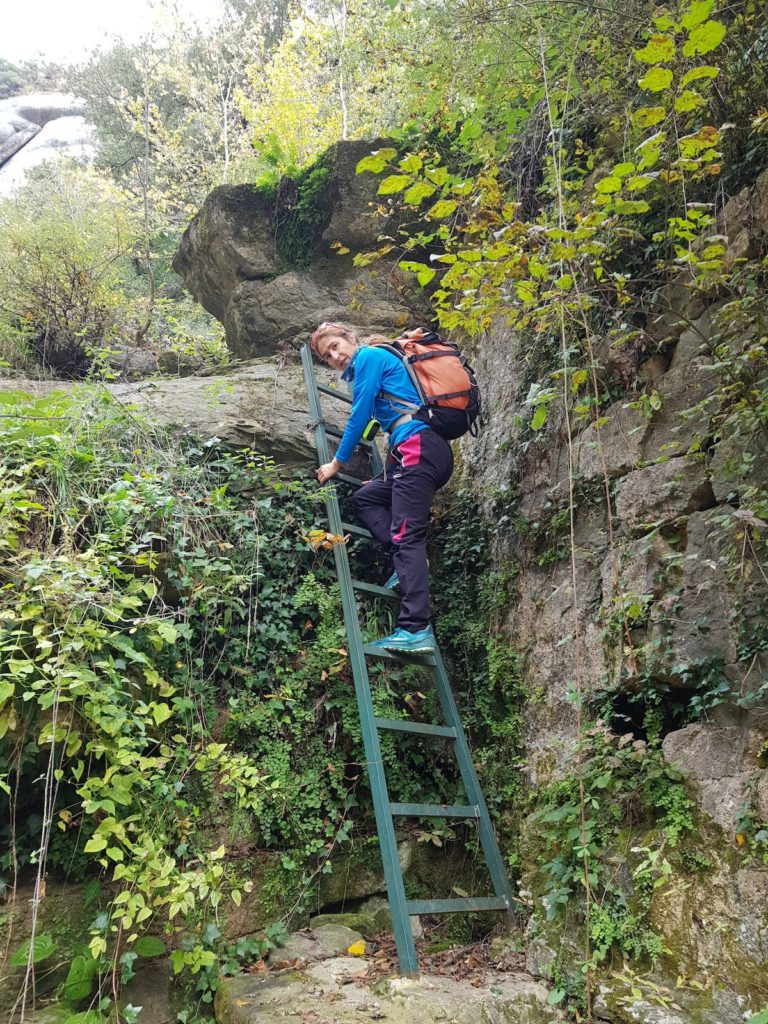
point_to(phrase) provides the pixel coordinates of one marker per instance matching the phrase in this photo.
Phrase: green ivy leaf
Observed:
(703, 71)
(79, 980)
(394, 183)
(664, 23)
(647, 117)
(95, 844)
(704, 38)
(168, 632)
(699, 11)
(656, 80)
(86, 1017)
(659, 48)
(526, 292)
(44, 946)
(149, 946)
(424, 274)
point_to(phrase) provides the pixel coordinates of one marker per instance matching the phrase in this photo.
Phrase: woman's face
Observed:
(336, 350)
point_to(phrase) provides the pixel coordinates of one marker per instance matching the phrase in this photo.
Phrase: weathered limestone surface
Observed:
(332, 992)
(261, 404)
(681, 556)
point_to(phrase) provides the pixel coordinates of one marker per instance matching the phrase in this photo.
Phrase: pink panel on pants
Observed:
(400, 533)
(411, 450)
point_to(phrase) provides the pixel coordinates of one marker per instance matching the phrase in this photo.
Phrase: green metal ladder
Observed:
(401, 909)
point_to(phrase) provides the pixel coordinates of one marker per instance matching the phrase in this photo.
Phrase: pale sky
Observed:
(66, 30)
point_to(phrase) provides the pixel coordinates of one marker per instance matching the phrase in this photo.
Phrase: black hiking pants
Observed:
(395, 508)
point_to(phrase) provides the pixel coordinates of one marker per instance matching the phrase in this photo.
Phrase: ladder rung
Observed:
(358, 531)
(400, 656)
(334, 393)
(371, 588)
(469, 903)
(333, 432)
(419, 728)
(435, 810)
(347, 479)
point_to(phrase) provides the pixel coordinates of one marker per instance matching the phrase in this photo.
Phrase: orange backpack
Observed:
(444, 380)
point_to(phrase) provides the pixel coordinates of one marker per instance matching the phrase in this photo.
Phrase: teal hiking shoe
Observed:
(420, 642)
(392, 583)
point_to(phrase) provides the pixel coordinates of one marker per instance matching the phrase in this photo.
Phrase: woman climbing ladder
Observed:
(394, 506)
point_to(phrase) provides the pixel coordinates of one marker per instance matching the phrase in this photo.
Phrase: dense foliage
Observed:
(173, 678)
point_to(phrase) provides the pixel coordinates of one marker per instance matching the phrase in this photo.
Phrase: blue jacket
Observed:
(371, 371)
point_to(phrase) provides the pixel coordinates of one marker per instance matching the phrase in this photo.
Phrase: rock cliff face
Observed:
(674, 538)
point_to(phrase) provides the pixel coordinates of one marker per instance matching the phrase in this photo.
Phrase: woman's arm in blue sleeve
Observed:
(368, 372)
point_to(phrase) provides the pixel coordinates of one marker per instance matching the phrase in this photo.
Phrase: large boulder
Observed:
(267, 264)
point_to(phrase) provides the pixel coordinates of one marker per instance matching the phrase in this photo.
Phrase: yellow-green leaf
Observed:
(410, 163)
(689, 99)
(658, 49)
(647, 117)
(622, 170)
(442, 208)
(394, 183)
(704, 138)
(656, 80)
(6, 692)
(699, 11)
(703, 71)
(160, 712)
(639, 182)
(608, 185)
(438, 175)
(630, 206)
(376, 162)
(418, 192)
(704, 38)
(650, 159)
(95, 844)
(236, 897)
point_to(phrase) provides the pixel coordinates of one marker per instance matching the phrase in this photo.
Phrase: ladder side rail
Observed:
(488, 841)
(406, 948)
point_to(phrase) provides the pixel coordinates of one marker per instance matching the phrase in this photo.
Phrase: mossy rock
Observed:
(367, 924)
